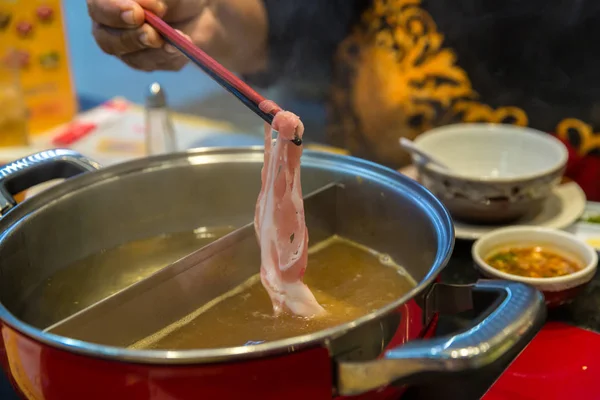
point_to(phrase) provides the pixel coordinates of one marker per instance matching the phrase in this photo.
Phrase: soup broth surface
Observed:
(99, 275)
(348, 280)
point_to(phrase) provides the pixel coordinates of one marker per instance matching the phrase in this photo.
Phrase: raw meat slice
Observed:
(279, 220)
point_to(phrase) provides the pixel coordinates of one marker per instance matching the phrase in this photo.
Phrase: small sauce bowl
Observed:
(557, 290)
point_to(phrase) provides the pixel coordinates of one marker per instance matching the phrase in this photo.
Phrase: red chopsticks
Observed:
(216, 71)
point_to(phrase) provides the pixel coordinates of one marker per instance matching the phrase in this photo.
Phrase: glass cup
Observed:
(13, 111)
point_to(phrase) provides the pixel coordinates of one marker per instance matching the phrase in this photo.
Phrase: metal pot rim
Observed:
(440, 217)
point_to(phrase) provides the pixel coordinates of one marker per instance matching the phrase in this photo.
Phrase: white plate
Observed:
(566, 204)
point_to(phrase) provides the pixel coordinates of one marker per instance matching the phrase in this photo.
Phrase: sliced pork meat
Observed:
(279, 220)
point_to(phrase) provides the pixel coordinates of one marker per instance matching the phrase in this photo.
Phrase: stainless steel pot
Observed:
(101, 209)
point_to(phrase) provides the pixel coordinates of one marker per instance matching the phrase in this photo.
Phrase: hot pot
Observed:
(95, 209)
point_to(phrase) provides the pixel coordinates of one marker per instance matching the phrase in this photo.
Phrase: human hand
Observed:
(232, 31)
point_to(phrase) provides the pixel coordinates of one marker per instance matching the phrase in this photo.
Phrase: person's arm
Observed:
(302, 38)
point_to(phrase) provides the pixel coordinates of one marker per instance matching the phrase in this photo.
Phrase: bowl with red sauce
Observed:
(557, 263)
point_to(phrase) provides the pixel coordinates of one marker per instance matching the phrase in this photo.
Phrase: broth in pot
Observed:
(348, 279)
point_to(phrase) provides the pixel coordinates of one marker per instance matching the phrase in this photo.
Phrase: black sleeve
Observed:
(303, 36)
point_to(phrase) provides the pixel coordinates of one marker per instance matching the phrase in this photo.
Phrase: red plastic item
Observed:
(561, 362)
(585, 170)
(73, 133)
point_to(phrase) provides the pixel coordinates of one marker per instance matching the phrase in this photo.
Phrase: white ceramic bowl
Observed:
(496, 172)
(557, 290)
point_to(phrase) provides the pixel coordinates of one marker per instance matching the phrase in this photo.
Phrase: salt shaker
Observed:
(160, 135)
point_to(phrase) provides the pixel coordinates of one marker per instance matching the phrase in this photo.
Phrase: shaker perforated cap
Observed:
(156, 97)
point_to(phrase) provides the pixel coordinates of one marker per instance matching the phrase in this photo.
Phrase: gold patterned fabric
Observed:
(395, 77)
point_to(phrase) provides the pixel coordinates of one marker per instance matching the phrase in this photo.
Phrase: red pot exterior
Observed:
(556, 299)
(42, 372)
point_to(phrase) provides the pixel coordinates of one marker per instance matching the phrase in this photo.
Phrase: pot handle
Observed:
(37, 168)
(521, 312)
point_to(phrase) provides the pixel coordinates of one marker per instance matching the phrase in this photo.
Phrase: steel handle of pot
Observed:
(521, 311)
(37, 168)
